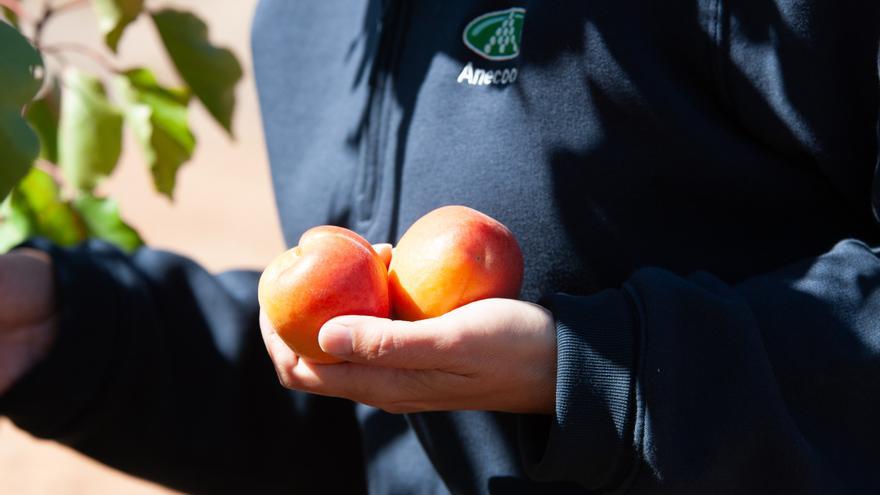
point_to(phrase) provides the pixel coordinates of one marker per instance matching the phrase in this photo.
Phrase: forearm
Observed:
(158, 370)
(767, 386)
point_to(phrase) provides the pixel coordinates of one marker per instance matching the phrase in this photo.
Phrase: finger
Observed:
(392, 389)
(283, 358)
(384, 251)
(369, 384)
(425, 344)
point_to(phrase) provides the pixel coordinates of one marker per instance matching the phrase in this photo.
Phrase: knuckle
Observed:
(454, 341)
(382, 344)
(453, 349)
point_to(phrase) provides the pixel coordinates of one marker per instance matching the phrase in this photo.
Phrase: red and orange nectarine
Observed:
(452, 256)
(332, 272)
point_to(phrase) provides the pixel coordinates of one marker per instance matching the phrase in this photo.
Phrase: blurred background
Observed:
(223, 216)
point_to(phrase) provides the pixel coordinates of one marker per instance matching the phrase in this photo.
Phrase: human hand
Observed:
(494, 354)
(27, 313)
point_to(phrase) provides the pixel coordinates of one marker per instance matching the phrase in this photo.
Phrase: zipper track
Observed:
(379, 109)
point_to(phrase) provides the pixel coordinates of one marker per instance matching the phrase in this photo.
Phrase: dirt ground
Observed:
(223, 216)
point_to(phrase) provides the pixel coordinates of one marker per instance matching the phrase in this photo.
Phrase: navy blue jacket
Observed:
(691, 184)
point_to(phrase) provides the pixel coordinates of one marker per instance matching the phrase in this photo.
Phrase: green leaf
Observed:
(51, 216)
(19, 63)
(43, 115)
(19, 148)
(16, 223)
(90, 132)
(35, 208)
(114, 16)
(101, 216)
(211, 72)
(10, 16)
(158, 117)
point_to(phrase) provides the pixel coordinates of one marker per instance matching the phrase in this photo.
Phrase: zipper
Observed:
(375, 133)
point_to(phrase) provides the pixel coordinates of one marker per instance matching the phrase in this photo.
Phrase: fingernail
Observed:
(335, 339)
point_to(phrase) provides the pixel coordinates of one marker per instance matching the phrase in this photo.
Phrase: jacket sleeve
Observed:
(690, 385)
(159, 370)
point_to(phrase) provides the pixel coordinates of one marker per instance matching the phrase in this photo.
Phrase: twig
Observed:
(70, 4)
(48, 13)
(59, 57)
(60, 48)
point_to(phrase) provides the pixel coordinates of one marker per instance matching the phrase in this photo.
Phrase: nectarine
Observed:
(332, 272)
(452, 256)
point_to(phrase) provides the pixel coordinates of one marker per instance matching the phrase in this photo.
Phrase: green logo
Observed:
(496, 35)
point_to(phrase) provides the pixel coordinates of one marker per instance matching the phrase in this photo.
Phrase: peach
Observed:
(332, 272)
(452, 256)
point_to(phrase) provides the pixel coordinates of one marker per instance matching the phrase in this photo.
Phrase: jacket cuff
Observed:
(53, 396)
(589, 439)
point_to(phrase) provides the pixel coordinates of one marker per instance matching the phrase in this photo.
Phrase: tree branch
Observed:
(85, 50)
(69, 4)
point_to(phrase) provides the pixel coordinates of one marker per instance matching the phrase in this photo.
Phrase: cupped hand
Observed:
(494, 354)
(27, 313)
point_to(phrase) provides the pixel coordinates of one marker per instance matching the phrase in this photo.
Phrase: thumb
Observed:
(382, 342)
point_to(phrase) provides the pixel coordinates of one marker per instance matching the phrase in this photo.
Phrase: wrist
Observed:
(595, 392)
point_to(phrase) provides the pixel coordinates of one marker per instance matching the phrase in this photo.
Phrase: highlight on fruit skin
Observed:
(331, 272)
(450, 257)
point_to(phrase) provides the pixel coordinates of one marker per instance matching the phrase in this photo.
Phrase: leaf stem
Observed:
(85, 50)
(70, 4)
(62, 60)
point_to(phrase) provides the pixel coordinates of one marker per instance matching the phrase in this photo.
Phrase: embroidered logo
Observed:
(496, 35)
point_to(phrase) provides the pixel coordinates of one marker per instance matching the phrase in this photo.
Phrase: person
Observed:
(691, 184)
